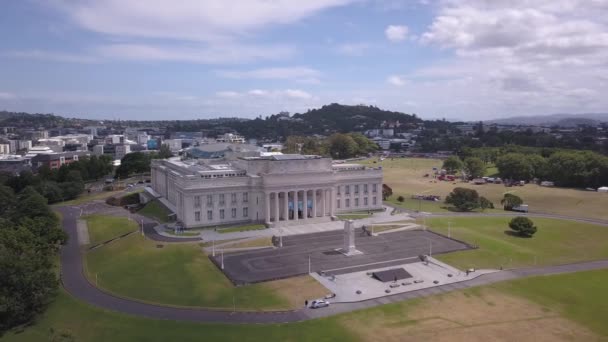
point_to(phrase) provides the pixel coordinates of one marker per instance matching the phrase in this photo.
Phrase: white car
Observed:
(319, 303)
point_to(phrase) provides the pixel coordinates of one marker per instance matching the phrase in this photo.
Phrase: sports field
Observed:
(406, 177)
(530, 309)
(556, 242)
(183, 275)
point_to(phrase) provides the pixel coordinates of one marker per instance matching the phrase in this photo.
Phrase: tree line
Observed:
(61, 184)
(337, 146)
(30, 236)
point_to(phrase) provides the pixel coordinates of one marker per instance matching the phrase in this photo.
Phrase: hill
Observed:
(564, 120)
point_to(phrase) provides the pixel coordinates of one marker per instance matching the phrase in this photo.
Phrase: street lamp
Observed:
(450, 229)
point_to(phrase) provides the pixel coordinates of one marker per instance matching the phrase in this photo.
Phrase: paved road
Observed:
(75, 283)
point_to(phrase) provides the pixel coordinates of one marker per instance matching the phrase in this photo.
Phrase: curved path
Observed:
(75, 283)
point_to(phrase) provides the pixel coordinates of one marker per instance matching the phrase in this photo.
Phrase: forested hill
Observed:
(354, 118)
(325, 120)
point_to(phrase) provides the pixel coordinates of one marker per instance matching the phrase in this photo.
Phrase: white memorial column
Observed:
(276, 207)
(332, 202)
(267, 205)
(295, 205)
(305, 205)
(323, 200)
(286, 206)
(314, 203)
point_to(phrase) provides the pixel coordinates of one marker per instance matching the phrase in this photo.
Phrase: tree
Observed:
(164, 152)
(342, 146)
(474, 167)
(400, 198)
(364, 145)
(485, 203)
(523, 226)
(510, 201)
(463, 199)
(132, 163)
(452, 165)
(516, 166)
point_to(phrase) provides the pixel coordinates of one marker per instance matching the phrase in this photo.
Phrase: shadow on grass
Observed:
(516, 234)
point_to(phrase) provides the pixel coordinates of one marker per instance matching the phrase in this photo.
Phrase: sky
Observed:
(188, 59)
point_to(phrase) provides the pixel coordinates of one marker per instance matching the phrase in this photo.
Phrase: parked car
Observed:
(319, 303)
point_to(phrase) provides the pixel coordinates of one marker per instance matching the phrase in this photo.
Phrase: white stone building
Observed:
(276, 190)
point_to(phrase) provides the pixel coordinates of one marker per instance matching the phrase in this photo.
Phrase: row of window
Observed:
(197, 214)
(347, 202)
(221, 199)
(240, 174)
(356, 189)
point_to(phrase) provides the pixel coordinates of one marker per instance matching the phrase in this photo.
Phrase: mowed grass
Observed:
(176, 274)
(156, 211)
(85, 197)
(556, 242)
(242, 228)
(103, 228)
(405, 177)
(553, 308)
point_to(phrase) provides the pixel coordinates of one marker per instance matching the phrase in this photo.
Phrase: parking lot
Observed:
(319, 251)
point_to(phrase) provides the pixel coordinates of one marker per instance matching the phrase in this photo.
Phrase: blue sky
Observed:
(156, 59)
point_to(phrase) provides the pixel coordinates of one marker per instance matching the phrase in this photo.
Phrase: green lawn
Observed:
(103, 228)
(241, 228)
(156, 211)
(177, 274)
(556, 242)
(85, 197)
(580, 297)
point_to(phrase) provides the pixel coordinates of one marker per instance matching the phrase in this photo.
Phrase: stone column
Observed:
(314, 203)
(295, 205)
(286, 206)
(267, 207)
(332, 202)
(305, 206)
(276, 207)
(323, 200)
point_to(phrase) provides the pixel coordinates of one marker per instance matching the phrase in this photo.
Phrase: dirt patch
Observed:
(296, 290)
(481, 315)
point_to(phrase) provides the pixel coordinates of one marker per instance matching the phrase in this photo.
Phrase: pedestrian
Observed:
(306, 303)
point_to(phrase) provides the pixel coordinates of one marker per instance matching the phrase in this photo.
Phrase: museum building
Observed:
(281, 189)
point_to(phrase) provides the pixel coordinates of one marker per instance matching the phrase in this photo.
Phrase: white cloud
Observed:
(353, 49)
(396, 33)
(220, 54)
(52, 56)
(7, 96)
(396, 80)
(297, 94)
(194, 20)
(298, 73)
(227, 94)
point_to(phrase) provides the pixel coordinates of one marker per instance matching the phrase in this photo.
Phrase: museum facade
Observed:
(283, 189)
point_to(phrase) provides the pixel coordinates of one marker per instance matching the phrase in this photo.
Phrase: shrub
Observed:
(400, 198)
(523, 226)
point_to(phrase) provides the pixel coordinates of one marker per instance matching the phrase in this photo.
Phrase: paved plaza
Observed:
(318, 253)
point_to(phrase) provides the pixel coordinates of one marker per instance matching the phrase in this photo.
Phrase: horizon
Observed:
(462, 60)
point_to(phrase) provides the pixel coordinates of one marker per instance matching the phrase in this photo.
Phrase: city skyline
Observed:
(462, 60)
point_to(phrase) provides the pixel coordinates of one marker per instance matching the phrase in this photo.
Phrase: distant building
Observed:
(56, 160)
(230, 138)
(14, 164)
(174, 144)
(5, 149)
(98, 150)
(121, 150)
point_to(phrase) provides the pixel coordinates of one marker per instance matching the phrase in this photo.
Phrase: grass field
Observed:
(181, 275)
(569, 307)
(103, 228)
(155, 210)
(353, 216)
(241, 228)
(87, 198)
(556, 242)
(405, 176)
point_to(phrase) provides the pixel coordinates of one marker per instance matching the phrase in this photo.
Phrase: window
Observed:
(348, 202)
(245, 212)
(209, 215)
(222, 199)
(233, 212)
(75, 157)
(61, 160)
(365, 201)
(374, 200)
(233, 198)
(364, 188)
(338, 204)
(374, 188)
(210, 200)
(339, 189)
(197, 216)
(357, 189)
(197, 201)
(221, 214)
(356, 202)
(347, 189)
(245, 197)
